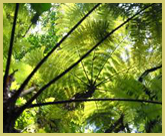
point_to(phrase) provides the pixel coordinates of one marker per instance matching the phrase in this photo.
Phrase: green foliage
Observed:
(110, 71)
(40, 7)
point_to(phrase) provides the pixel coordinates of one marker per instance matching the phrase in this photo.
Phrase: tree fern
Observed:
(98, 65)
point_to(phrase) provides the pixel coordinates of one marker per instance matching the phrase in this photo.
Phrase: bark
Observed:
(9, 118)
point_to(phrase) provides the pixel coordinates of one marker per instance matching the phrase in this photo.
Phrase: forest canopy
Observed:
(82, 68)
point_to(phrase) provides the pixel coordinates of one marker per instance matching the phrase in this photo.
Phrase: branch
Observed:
(76, 63)
(45, 58)
(99, 99)
(146, 90)
(147, 72)
(27, 91)
(10, 48)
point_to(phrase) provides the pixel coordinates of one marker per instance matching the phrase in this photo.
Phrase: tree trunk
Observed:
(9, 118)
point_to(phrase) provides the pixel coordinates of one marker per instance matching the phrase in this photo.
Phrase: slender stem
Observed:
(10, 48)
(32, 24)
(91, 100)
(16, 95)
(76, 63)
(27, 30)
(108, 59)
(109, 79)
(92, 65)
(79, 78)
(83, 67)
(102, 82)
(145, 73)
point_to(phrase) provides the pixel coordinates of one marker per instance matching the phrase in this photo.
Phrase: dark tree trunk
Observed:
(9, 118)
